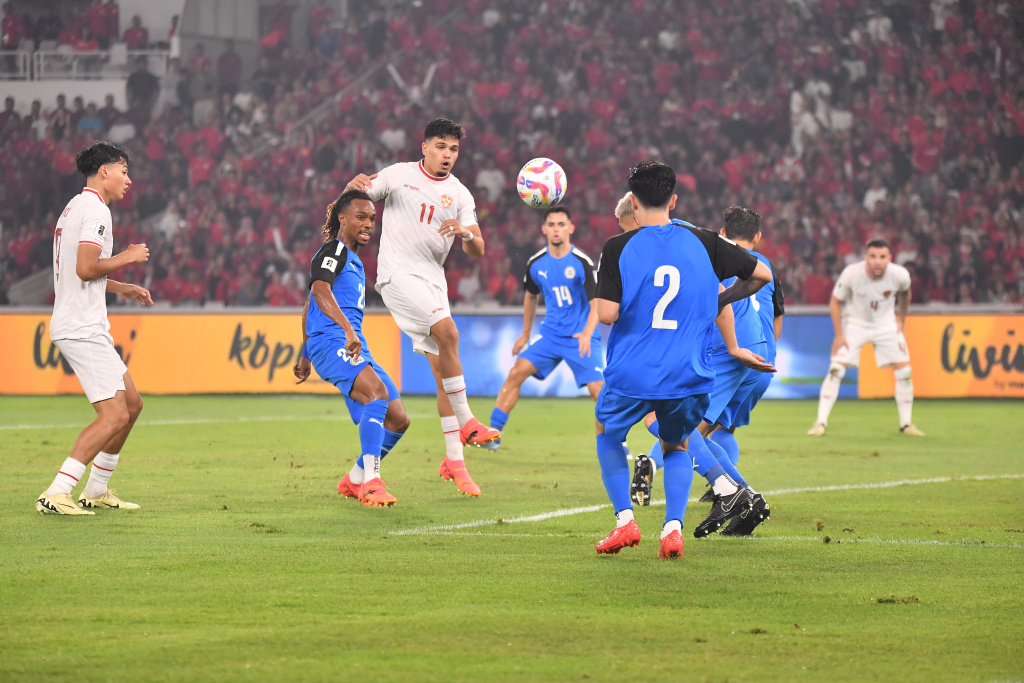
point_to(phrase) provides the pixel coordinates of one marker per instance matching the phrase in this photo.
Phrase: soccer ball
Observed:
(541, 183)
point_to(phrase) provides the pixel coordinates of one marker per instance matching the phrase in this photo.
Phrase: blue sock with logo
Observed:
(728, 443)
(371, 427)
(723, 460)
(656, 454)
(705, 464)
(499, 418)
(677, 478)
(614, 471)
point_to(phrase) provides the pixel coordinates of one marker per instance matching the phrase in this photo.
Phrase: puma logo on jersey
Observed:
(543, 273)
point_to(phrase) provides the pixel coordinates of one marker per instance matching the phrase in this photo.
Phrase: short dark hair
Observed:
(879, 243)
(443, 128)
(338, 206)
(558, 209)
(741, 223)
(90, 159)
(652, 183)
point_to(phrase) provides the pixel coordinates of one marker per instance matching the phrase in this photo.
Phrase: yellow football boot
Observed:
(106, 500)
(58, 504)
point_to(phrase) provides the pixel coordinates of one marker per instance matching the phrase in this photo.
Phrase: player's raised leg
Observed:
(453, 468)
(452, 382)
(96, 493)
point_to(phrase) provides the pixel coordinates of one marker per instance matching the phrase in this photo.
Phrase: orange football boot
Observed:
(620, 537)
(671, 545)
(348, 489)
(456, 469)
(373, 493)
(476, 433)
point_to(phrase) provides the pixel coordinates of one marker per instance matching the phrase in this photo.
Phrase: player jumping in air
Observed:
(333, 342)
(658, 286)
(82, 258)
(568, 281)
(425, 208)
(863, 308)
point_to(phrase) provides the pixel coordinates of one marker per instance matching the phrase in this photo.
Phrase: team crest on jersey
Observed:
(886, 293)
(446, 201)
(570, 272)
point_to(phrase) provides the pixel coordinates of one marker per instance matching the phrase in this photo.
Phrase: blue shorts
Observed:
(677, 417)
(335, 366)
(734, 381)
(742, 413)
(546, 352)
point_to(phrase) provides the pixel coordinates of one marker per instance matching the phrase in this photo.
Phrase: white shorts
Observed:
(99, 369)
(416, 305)
(890, 346)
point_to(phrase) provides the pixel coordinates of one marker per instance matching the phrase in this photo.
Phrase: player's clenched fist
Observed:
(138, 252)
(361, 182)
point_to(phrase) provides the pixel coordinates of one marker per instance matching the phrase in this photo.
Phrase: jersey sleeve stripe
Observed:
(91, 242)
(582, 256)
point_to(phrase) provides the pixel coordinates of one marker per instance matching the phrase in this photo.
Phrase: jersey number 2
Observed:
(672, 273)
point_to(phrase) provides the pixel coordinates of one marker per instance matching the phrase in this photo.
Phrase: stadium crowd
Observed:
(836, 120)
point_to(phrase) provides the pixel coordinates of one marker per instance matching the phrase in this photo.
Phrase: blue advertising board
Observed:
(485, 347)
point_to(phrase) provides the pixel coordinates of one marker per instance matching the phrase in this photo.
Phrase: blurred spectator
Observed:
(90, 123)
(108, 113)
(141, 90)
(136, 36)
(229, 68)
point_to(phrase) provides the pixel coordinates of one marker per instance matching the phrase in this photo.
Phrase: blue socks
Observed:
(499, 418)
(653, 429)
(390, 439)
(614, 471)
(371, 427)
(677, 477)
(704, 462)
(724, 461)
(656, 454)
(728, 443)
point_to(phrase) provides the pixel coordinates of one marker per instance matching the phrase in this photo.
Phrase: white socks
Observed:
(904, 395)
(670, 526)
(371, 467)
(724, 486)
(70, 472)
(452, 441)
(623, 518)
(830, 391)
(102, 467)
(357, 475)
(455, 388)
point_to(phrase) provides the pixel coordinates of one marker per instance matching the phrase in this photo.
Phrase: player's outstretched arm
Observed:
(303, 366)
(324, 298)
(741, 289)
(726, 322)
(588, 331)
(89, 265)
(835, 309)
(472, 238)
(130, 292)
(607, 311)
(361, 182)
(529, 313)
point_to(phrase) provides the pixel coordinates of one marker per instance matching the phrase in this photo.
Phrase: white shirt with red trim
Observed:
(415, 206)
(870, 302)
(79, 307)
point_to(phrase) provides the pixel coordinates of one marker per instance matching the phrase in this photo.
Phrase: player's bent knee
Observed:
(837, 370)
(902, 374)
(397, 420)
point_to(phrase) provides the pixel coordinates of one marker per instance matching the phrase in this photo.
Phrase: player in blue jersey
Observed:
(568, 281)
(334, 345)
(730, 494)
(743, 226)
(659, 288)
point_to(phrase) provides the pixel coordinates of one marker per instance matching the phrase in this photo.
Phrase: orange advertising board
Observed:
(956, 356)
(184, 353)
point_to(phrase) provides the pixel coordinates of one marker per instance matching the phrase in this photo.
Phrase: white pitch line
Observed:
(197, 421)
(567, 512)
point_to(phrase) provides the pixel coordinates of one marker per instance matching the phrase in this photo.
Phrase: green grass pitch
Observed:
(244, 563)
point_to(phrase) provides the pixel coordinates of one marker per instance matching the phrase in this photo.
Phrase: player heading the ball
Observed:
(425, 209)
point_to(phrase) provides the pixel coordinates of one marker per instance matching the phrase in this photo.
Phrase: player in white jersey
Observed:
(869, 306)
(82, 259)
(425, 208)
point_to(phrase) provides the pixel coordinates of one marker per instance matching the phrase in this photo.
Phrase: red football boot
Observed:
(348, 489)
(476, 433)
(620, 537)
(456, 469)
(671, 546)
(374, 493)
